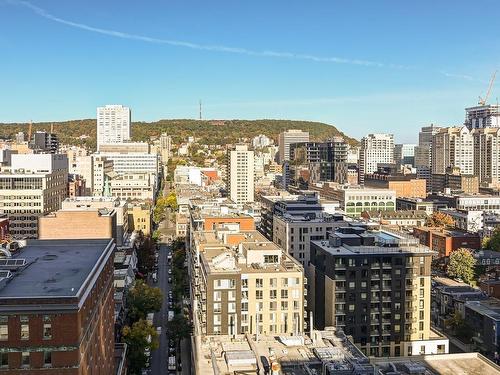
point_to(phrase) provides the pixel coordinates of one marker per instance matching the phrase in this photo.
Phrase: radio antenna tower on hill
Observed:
(200, 109)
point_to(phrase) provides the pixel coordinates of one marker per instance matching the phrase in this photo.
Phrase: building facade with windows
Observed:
(66, 325)
(356, 199)
(33, 186)
(375, 149)
(453, 147)
(246, 285)
(287, 138)
(113, 124)
(241, 174)
(376, 286)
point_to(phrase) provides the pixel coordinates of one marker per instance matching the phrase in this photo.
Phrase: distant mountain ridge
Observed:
(83, 132)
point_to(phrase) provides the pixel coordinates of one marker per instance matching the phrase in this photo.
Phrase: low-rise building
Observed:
(469, 221)
(56, 308)
(109, 203)
(444, 241)
(181, 225)
(134, 186)
(484, 319)
(429, 206)
(401, 219)
(449, 298)
(139, 217)
(408, 186)
(83, 223)
(454, 181)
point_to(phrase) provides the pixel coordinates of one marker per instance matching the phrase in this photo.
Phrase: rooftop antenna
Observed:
(200, 109)
(30, 128)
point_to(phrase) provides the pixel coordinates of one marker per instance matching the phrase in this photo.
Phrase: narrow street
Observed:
(159, 357)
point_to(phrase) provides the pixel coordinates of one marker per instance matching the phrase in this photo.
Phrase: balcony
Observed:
(375, 265)
(387, 265)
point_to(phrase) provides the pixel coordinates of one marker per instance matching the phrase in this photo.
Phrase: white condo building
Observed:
(375, 149)
(453, 147)
(113, 124)
(241, 174)
(288, 137)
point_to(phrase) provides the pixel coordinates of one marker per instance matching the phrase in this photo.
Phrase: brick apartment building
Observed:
(56, 309)
(445, 241)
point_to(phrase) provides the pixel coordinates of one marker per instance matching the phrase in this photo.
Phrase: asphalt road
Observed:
(159, 357)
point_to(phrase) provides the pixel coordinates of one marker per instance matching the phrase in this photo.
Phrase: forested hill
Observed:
(83, 132)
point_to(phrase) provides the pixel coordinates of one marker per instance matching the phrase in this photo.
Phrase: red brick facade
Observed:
(81, 340)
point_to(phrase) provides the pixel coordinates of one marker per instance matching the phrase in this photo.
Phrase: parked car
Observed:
(170, 280)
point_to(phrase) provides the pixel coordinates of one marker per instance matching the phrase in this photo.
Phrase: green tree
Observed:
(139, 337)
(145, 250)
(179, 327)
(142, 300)
(494, 242)
(461, 265)
(439, 220)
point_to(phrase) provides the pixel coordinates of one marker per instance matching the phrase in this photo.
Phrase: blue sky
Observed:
(364, 66)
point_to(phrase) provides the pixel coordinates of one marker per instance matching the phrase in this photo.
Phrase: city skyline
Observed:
(264, 66)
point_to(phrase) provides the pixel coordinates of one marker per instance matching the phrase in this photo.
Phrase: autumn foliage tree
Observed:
(439, 220)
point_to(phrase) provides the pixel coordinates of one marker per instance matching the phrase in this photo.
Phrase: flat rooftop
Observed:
(54, 268)
(443, 364)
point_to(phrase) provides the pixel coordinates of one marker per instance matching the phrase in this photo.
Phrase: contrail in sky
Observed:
(206, 47)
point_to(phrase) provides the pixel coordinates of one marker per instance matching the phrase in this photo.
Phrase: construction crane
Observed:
(492, 80)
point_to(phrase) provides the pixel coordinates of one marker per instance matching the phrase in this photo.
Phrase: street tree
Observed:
(461, 265)
(145, 250)
(143, 299)
(179, 327)
(139, 337)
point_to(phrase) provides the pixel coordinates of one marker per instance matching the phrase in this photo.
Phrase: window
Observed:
(231, 295)
(259, 283)
(244, 306)
(273, 283)
(217, 320)
(273, 294)
(25, 328)
(217, 296)
(25, 359)
(244, 283)
(258, 294)
(231, 307)
(284, 305)
(284, 293)
(217, 307)
(4, 359)
(4, 328)
(270, 258)
(47, 331)
(47, 359)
